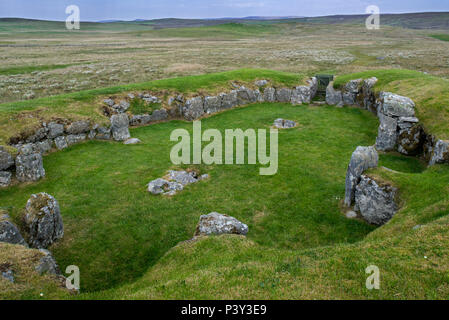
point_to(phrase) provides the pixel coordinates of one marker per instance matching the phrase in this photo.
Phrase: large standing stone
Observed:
(333, 97)
(440, 153)
(410, 136)
(283, 95)
(387, 133)
(6, 160)
(43, 220)
(394, 105)
(216, 223)
(119, 127)
(362, 159)
(29, 164)
(9, 232)
(5, 178)
(366, 97)
(193, 109)
(375, 201)
(350, 92)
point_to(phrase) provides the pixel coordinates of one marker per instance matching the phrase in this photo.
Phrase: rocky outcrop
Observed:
(333, 97)
(119, 127)
(440, 153)
(375, 201)
(284, 124)
(29, 165)
(9, 232)
(362, 159)
(43, 220)
(174, 181)
(215, 223)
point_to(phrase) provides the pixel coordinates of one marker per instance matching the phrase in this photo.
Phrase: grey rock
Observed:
(47, 264)
(109, 102)
(261, 83)
(228, 100)
(78, 127)
(9, 232)
(40, 134)
(157, 186)
(351, 91)
(212, 104)
(29, 165)
(193, 109)
(284, 124)
(103, 133)
(216, 223)
(313, 87)
(283, 95)
(6, 159)
(159, 115)
(301, 94)
(269, 94)
(43, 220)
(8, 275)
(351, 214)
(5, 178)
(182, 177)
(362, 159)
(245, 96)
(91, 135)
(440, 153)
(366, 97)
(376, 202)
(61, 142)
(119, 127)
(387, 133)
(43, 146)
(121, 107)
(410, 136)
(55, 130)
(131, 96)
(137, 120)
(132, 141)
(333, 97)
(394, 105)
(75, 138)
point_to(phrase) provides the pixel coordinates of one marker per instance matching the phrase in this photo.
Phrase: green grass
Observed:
(115, 230)
(442, 37)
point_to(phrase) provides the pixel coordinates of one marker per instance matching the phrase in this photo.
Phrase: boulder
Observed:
(55, 130)
(43, 220)
(183, 177)
(394, 105)
(212, 104)
(284, 124)
(351, 91)
(313, 87)
(6, 159)
(440, 153)
(245, 96)
(283, 95)
(159, 115)
(121, 107)
(9, 232)
(387, 133)
(78, 127)
(410, 136)
(193, 109)
(362, 159)
(141, 119)
(228, 100)
(157, 186)
(75, 138)
(119, 127)
(333, 97)
(366, 97)
(47, 264)
(40, 134)
(29, 164)
(375, 201)
(216, 223)
(300, 95)
(261, 83)
(269, 94)
(61, 142)
(43, 146)
(5, 178)
(109, 102)
(132, 141)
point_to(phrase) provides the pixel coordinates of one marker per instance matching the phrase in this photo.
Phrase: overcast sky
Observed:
(94, 10)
